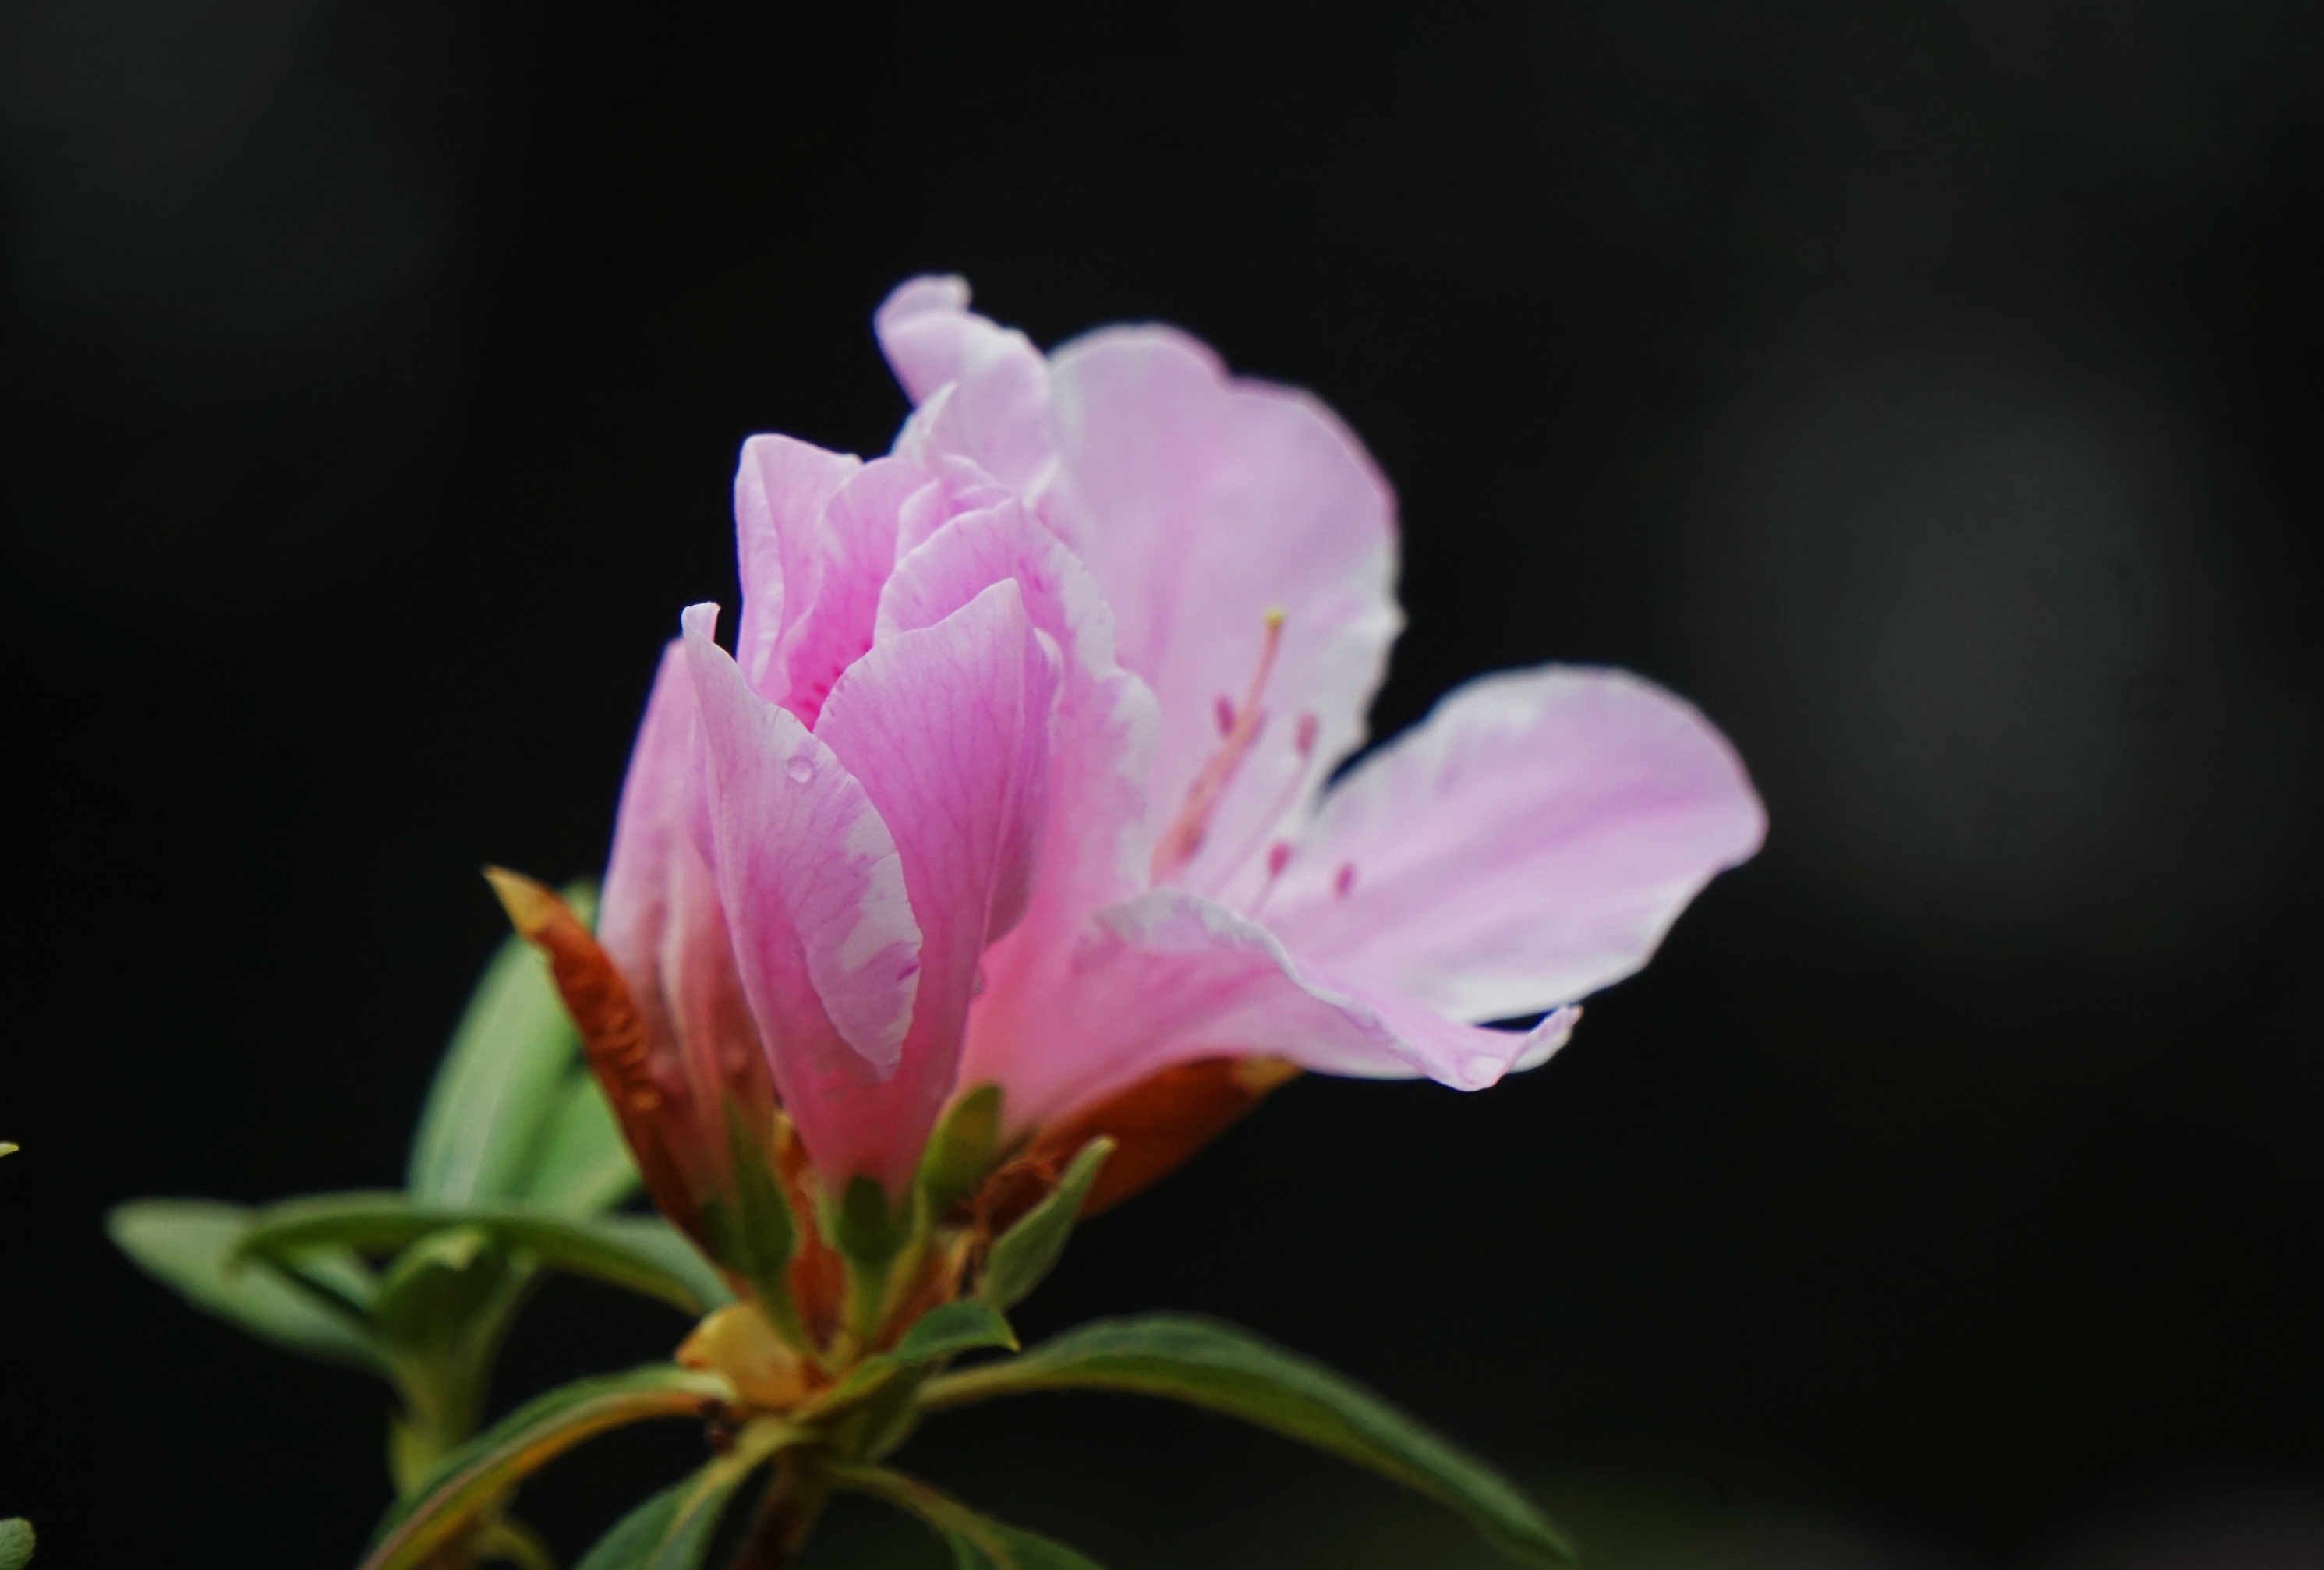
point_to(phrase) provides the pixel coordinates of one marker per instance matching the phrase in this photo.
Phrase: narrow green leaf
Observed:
(583, 1165)
(654, 1241)
(483, 1123)
(16, 1540)
(509, 1541)
(977, 1542)
(1026, 1252)
(954, 1327)
(1230, 1371)
(467, 1481)
(630, 1543)
(1024, 1551)
(673, 1530)
(960, 1151)
(191, 1246)
(614, 1249)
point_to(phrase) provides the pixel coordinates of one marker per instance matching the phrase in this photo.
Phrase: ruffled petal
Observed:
(947, 727)
(1526, 844)
(1102, 727)
(780, 489)
(1204, 506)
(982, 391)
(1169, 977)
(855, 540)
(813, 890)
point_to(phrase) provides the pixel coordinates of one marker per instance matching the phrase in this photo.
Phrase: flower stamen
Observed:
(1183, 838)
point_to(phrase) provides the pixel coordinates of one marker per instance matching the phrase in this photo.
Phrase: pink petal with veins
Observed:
(815, 892)
(947, 727)
(1528, 844)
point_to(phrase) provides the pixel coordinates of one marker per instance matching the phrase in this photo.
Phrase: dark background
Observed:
(1928, 389)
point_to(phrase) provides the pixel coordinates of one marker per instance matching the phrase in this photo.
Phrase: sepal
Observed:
(1026, 1252)
(752, 1231)
(959, 1153)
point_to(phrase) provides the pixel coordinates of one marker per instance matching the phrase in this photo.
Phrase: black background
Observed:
(1930, 391)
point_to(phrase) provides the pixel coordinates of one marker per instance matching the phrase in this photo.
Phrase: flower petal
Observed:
(1169, 977)
(855, 547)
(1102, 728)
(661, 925)
(1203, 505)
(814, 889)
(1526, 844)
(947, 727)
(780, 487)
(982, 390)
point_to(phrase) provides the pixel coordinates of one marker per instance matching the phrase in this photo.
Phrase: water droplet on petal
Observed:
(800, 769)
(976, 982)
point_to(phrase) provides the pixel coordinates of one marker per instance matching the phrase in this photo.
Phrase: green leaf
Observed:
(1023, 1551)
(612, 1250)
(960, 1151)
(15, 1538)
(191, 1246)
(954, 1327)
(482, 1123)
(654, 1241)
(1026, 1252)
(632, 1542)
(467, 1483)
(673, 1530)
(1230, 1371)
(977, 1542)
(583, 1166)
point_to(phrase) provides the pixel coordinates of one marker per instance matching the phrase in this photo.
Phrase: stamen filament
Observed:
(1183, 838)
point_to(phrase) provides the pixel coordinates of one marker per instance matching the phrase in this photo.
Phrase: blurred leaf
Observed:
(448, 1291)
(1026, 1252)
(1230, 1371)
(583, 1165)
(977, 1542)
(16, 1540)
(673, 1530)
(466, 1482)
(632, 1542)
(621, 1251)
(651, 1238)
(486, 1122)
(954, 1327)
(512, 1542)
(960, 1151)
(191, 1245)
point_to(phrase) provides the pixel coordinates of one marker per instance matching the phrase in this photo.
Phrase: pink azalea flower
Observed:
(1018, 774)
